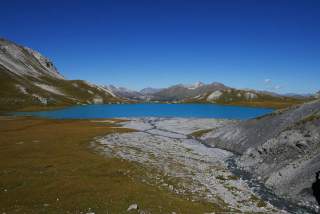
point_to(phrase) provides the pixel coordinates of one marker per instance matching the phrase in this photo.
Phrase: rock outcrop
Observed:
(281, 149)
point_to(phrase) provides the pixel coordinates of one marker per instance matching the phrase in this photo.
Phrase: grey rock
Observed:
(285, 154)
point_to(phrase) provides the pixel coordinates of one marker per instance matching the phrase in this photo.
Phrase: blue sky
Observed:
(260, 44)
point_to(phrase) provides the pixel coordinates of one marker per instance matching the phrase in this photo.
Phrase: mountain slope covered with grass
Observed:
(28, 80)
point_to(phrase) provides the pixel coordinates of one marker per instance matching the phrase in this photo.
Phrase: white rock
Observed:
(133, 207)
(97, 100)
(50, 88)
(22, 89)
(250, 95)
(171, 187)
(214, 95)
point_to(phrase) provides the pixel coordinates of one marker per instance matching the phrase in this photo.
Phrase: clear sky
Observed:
(260, 44)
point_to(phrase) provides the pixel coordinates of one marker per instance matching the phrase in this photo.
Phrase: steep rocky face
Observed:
(24, 61)
(27, 79)
(281, 149)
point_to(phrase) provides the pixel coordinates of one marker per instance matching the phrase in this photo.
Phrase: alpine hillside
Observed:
(29, 79)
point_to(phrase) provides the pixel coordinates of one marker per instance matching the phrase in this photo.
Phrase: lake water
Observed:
(152, 110)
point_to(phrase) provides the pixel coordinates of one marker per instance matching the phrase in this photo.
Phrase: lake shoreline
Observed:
(152, 110)
(52, 108)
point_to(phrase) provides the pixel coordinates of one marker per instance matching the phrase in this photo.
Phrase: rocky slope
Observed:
(181, 163)
(29, 79)
(281, 149)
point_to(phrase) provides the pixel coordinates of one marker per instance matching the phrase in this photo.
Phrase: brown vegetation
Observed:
(47, 167)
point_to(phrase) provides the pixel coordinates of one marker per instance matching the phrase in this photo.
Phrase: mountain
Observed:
(210, 93)
(299, 96)
(29, 79)
(282, 149)
(125, 93)
(149, 91)
(222, 94)
(181, 92)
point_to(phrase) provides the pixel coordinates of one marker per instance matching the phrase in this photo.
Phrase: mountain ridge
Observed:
(217, 93)
(29, 79)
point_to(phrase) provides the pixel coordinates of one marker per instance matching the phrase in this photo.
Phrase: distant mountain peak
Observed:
(149, 90)
(197, 85)
(191, 86)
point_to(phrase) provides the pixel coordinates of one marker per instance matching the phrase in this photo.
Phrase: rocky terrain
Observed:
(27, 78)
(267, 164)
(281, 150)
(181, 164)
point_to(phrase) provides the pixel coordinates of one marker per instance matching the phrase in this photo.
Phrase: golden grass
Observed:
(47, 167)
(267, 104)
(200, 133)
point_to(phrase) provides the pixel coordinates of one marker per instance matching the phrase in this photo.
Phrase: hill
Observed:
(28, 79)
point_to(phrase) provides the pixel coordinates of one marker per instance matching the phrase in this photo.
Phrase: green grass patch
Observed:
(200, 133)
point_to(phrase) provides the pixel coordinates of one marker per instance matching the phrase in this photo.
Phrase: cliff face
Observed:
(281, 149)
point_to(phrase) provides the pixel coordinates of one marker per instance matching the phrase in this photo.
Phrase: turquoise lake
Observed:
(152, 110)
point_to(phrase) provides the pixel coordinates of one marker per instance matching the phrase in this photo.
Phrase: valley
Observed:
(200, 154)
(30, 81)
